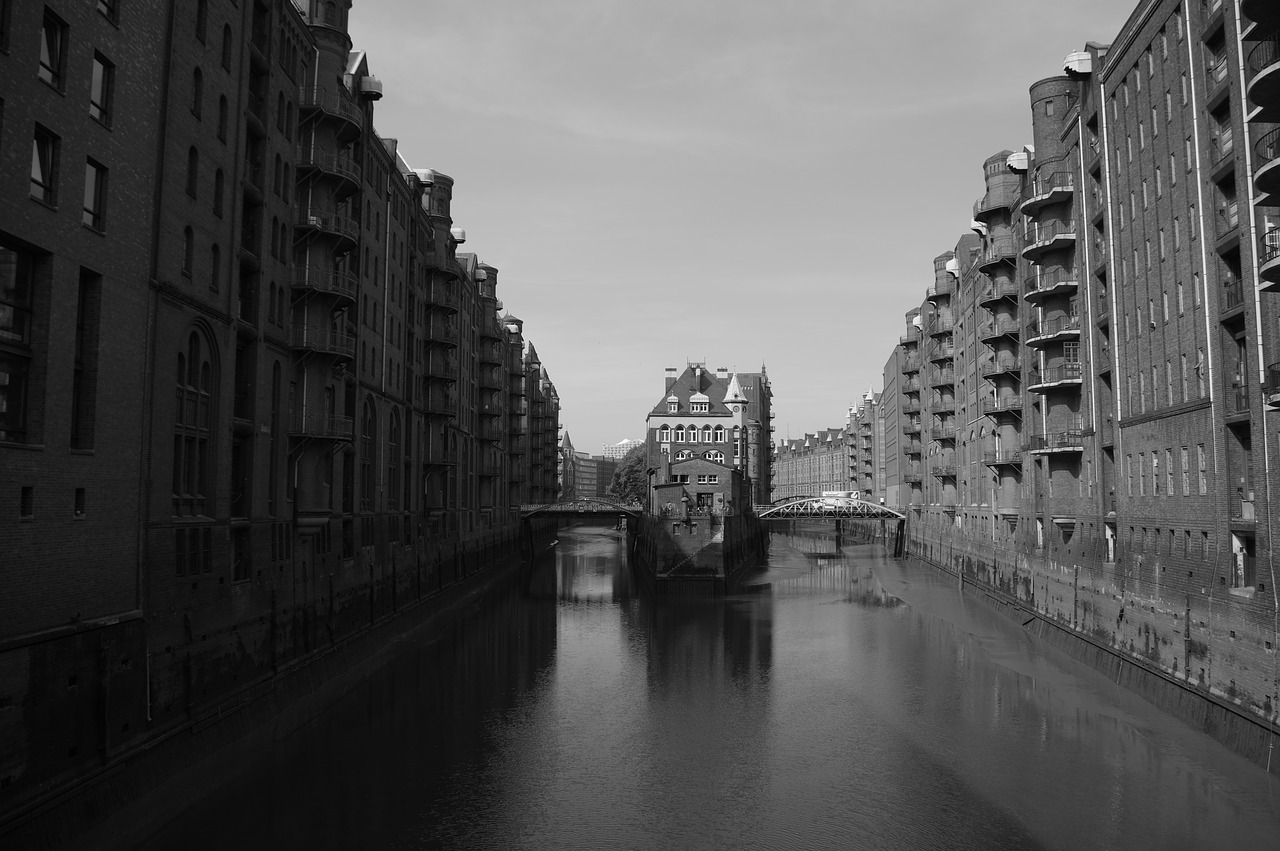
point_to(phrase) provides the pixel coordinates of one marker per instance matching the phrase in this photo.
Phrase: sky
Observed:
(736, 182)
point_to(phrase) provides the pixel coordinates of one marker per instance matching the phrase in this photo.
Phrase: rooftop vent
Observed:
(1078, 64)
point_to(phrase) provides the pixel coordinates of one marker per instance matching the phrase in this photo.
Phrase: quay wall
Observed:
(1198, 657)
(701, 555)
(95, 715)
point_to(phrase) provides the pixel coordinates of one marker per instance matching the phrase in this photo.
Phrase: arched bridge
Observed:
(584, 507)
(827, 506)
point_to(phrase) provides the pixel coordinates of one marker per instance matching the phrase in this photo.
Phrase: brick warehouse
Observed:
(1083, 406)
(253, 399)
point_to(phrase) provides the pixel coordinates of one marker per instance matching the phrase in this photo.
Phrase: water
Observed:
(852, 702)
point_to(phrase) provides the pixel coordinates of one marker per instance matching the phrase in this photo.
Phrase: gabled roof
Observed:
(701, 383)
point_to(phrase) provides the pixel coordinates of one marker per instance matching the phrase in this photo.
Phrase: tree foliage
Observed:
(631, 479)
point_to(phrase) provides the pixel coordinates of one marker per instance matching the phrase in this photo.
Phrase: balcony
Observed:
(910, 364)
(1053, 330)
(1232, 296)
(321, 426)
(1237, 401)
(1010, 404)
(914, 448)
(943, 471)
(1049, 189)
(1004, 327)
(1227, 218)
(945, 287)
(944, 405)
(942, 352)
(492, 379)
(1004, 458)
(1000, 289)
(942, 377)
(330, 223)
(912, 475)
(911, 428)
(1002, 196)
(941, 326)
(329, 341)
(1271, 394)
(1044, 380)
(1264, 84)
(909, 339)
(441, 367)
(1062, 440)
(440, 455)
(331, 164)
(491, 430)
(911, 385)
(1045, 238)
(911, 407)
(1001, 366)
(337, 105)
(999, 249)
(1049, 284)
(1269, 260)
(943, 432)
(440, 400)
(442, 333)
(1267, 162)
(331, 282)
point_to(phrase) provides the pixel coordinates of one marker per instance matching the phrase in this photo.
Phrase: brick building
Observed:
(253, 397)
(706, 438)
(813, 464)
(1093, 368)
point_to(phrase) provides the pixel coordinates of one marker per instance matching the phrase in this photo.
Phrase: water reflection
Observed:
(845, 700)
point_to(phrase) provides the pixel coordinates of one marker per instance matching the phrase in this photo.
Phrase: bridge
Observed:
(582, 507)
(828, 506)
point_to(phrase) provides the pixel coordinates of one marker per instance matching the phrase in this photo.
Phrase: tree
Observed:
(631, 479)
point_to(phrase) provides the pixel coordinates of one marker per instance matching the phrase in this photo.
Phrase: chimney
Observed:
(671, 378)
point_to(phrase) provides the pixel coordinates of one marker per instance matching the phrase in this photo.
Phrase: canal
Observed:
(850, 701)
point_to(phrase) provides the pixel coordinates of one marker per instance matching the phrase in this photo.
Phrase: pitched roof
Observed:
(696, 380)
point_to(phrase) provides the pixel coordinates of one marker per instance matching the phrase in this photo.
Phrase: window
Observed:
(714, 455)
(85, 370)
(192, 436)
(202, 19)
(100, 89)
(217, 192)
(95, 195)
(1168, 472)
(215, 267)
(226, 47)
(1173, 169)
(1183, 360)
(1177, 238)
(672, 407)
(188, 250)
(222, 118)
(718, 435)
(1186, 474)
(1200, 463)
(1155, 473)
(44, 166)
(1128, 468)
(197, 92)
(713, 478)
(53, 50)
(193, 171)
(17, 284)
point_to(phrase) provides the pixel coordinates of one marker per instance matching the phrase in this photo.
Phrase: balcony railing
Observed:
(940, 288)
(943, 471)
(330, 281)
(911, 364)
(330, 162)
(1001, 365)
(320, 339)
(1070, 439)
(334, 103)
(1058, 325)
(1005, 404)
(945, 352)
(1232, 294)
(1054, 375)
(911, 428)
(1009, 456)
(330, 222)
(999, 328)
(1003, 288)
(942, 376)
(942, 324)
(1238, 398)
(1051, 283)
(944, 432)
(998, 249)
(326, 426)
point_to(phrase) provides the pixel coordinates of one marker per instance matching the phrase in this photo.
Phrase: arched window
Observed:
(217, 193)
(284, 184)
(280, 307)
(275, 237)
(706, 434)
(715, 455)
(226, 46)
(193, 171)
(368, 431)
(719, 433)
(288, 121)
(664, 434)
(276, 175)
(191, 437)
(215, 267)
(197, 92)
(684, 455)
(188, 250)
(202, 19)
(678, 434)
(271, 303)
(280, 112)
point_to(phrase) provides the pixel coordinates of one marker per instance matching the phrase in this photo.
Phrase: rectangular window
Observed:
(1186, 474)
(84, 378)
(1204, 473)
(1155, 122)
(95, 195)
(1159, 183)
(101, 86)
(1177, 234)
(44, 166)
(1173, 169)
(1142, 474)
(1168, 472)
(1164, 299)
(53, 50)
(107, 8)
(1183, 359)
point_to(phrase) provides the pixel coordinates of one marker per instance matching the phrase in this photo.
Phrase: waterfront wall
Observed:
(1198, 657)
(97, 714)
(700, 555)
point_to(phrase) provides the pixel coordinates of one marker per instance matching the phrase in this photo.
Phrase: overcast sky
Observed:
(733, 181)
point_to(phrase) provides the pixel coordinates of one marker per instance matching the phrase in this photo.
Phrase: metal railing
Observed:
(325, 281)
(943, 287)
(1049, 280)
(1056, 325)
(1265, 53)
(999, 328)
(322, 425)
(1232, 294)
(334, 103)
(1008, 456)
(1055, 374)
(329, 161)
(330, 222)
(320, 339)
(998, 365)
(996, 406)
(1058, 181)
